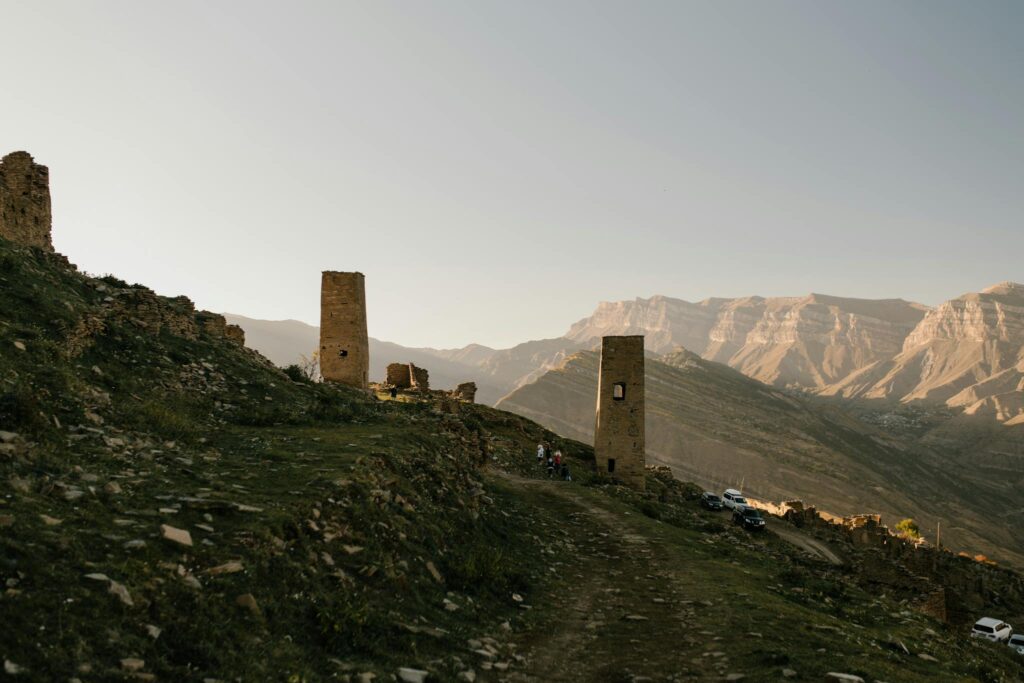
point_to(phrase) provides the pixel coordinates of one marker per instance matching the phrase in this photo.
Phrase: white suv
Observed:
(1016, 643)
(992, 629)
(733, 499)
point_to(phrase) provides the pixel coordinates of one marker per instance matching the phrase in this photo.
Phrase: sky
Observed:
(498, 168)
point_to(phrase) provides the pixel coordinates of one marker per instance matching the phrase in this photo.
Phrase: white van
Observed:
(733, 499)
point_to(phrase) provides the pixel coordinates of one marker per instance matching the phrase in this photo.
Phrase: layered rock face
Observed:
(25, 216)
(806, 342)
(967, 353)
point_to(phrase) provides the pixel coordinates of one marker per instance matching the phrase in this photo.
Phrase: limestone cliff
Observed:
(805, 342)
(967, 353)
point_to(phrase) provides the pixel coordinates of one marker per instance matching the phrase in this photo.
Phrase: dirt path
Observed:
(626, 611)
(805, 542)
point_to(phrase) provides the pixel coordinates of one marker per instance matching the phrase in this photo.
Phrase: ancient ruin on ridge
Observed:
(408, 376)
(619, 431)
(25, 216)
(344, 341)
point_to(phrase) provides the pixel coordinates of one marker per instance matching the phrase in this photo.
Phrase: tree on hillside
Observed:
(908, 529)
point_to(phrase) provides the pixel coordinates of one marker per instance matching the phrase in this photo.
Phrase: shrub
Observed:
(908, 529)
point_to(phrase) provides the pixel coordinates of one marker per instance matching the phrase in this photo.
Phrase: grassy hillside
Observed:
(173, 507)
(718, 427)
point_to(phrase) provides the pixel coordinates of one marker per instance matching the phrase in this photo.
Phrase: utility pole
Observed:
(938, 535)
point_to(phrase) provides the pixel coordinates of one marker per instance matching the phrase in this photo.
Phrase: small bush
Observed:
(908, 529)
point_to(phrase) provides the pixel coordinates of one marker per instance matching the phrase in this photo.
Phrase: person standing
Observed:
(540, 453)
(558, 459)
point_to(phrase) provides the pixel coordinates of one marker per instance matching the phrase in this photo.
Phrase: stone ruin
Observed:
(25, 215)
(465, 392)
(619, 448)
(408, 376)
(344, 341)
(217, 326)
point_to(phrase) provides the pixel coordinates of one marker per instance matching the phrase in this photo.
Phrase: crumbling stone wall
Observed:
(619, 431)
(398, 375)
(344, 341)
(408, 376)
(25, 215)
(419, 378)
(236, 334)
(465, 392)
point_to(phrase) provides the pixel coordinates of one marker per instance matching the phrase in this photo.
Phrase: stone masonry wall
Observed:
(619, 431)
(25, 215)
(398, 375)
(344, 341)
(420, 378)
(465, 392)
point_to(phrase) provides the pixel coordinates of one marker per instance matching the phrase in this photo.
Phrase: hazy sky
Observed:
(496, 169)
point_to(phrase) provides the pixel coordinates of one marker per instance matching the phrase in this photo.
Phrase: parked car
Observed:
(1016, 642)
(710, 501)
(992, 629)
(748, 517)
(731, 498)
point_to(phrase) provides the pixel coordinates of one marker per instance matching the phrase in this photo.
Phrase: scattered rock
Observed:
(10, 668)
(153, 631)
(20, 345)
(175, 534)
(926, 657)
(121, 592)
(788, 673)
(132, 664)
(412, 675)
(50, 521)
(227, 568)
(635, 617)
(842, 678)
(248, 601)
(433, 572)
(112, 487)
(7, 437)
(467, 676)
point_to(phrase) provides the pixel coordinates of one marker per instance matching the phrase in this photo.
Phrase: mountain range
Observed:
(966, 354)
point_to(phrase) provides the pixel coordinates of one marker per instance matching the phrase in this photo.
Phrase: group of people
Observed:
(556, 464)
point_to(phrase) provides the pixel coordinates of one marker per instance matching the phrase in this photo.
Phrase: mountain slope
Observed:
(718, 427)
(967, 353)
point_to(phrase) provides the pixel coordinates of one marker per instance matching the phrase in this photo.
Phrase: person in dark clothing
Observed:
(565, 472)
(394, 392)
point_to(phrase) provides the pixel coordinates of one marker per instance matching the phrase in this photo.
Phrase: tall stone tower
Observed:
(25, 215)
(619, 432)
(344, 343)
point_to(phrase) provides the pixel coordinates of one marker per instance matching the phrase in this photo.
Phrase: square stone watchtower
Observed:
(619, 432)
(344, 342)
(25, 201)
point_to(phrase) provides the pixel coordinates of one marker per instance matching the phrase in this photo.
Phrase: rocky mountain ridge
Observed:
(966, 354)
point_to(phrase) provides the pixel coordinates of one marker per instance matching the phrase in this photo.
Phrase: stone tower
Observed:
(619, 432)
(344, 343)
(25, 201)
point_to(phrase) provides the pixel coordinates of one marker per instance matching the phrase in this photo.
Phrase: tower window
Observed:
(619, 391)
(611, 465)
(343, 353)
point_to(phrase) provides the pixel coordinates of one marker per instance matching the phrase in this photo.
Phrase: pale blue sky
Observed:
(496, 169)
